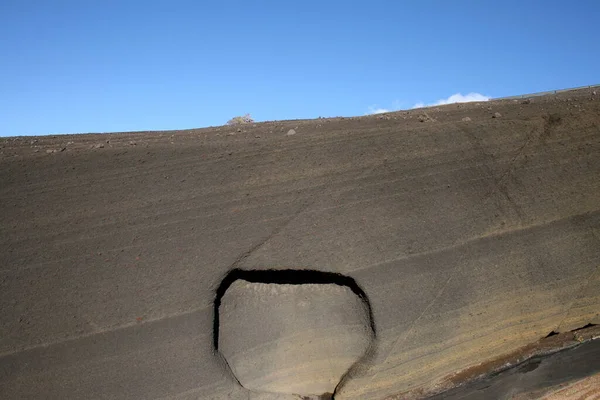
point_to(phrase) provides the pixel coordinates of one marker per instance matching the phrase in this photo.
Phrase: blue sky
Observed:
(105, 65)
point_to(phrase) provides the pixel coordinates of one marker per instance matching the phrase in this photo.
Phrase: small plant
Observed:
(241, 120)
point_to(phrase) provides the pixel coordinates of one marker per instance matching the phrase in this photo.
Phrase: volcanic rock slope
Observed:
(190, 264)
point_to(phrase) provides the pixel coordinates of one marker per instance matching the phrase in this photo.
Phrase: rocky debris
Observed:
(425, 118)
(526, 101)
(466, 119)
(51, 151)
(291, 132)
(496, 115)
(98, 146)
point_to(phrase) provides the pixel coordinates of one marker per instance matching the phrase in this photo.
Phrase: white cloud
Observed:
(375, 110)
(456, 98)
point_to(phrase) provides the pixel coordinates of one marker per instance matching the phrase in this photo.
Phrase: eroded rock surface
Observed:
(471, 240)
(295, 339)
